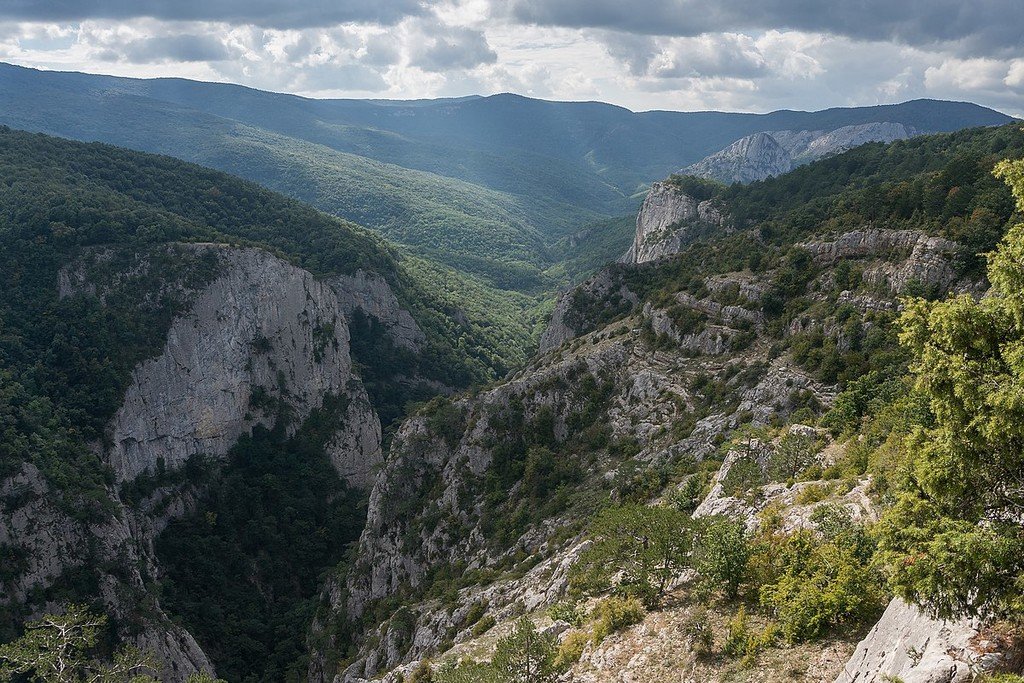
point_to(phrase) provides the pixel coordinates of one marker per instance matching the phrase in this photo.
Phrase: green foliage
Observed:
(614, 613)
(526, 655)
(571, 649)
(567, 611)
(794, 454)
(699, 635)
(820, 581)
(243, 572)
(59, 648)
(952, 539)
(466, 672)
(700, 189)
(648, 545)
(720, 554)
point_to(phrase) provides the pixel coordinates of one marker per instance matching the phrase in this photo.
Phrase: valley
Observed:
(481, 380)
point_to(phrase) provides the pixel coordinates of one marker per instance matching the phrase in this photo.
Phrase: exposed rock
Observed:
(766, 154)
(562, 327)
(847, 137)
(371, 294)
(263, 331)
(751, 158)
(668, 221)
(910, 646)
(259, 334)
(909, 257)
(45, 536)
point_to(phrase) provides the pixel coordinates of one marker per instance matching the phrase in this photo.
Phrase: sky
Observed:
(736, 55)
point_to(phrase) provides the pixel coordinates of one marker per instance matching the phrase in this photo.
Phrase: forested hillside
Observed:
(759, 442)
(486, 185)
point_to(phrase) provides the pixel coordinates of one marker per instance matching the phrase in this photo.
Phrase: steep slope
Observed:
(754, 157)
(767, 154)
(722, 382)
(176, 343)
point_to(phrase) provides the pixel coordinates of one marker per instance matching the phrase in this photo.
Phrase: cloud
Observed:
(176, 48)
(266, 13)
(982, 26)
(437, 47)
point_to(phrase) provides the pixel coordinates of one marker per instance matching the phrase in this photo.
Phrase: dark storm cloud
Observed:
(267, 13)
(177, 48)
(981, 26)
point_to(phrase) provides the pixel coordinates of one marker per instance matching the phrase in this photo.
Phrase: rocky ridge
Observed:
(668, 220)
(767, 154)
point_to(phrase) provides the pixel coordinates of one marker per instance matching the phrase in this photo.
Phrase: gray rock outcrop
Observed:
(910, 646)
(263, 332)
(669, 220)
(848, 137)
(905, 257)
(771, 153)
(752, 158)
(370, 293)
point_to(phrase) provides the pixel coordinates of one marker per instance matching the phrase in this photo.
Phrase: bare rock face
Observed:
(668, 221)
(261, 335)
(910, 646)
(848, 137)
(264, 331)
(371, 294)
(754, 157)
(562, 328)
(767, 154)
(906, 257)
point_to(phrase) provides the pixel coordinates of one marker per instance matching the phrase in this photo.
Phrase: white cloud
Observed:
(460, 47)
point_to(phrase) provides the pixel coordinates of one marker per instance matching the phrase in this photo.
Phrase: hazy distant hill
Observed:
(486, 184)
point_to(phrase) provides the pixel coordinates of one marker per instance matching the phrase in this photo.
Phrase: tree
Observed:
(720, 553)
(794, 454)
(526, 655)
(55, 649)
(648, 546)
(953, 541)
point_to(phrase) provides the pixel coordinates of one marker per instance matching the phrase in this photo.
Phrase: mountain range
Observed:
(769, 429)
(486, 185)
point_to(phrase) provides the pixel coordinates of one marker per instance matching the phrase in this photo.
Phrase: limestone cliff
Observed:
(668, 220)
(910, 646)
(754, 157)
(262, 335)
(767, 154)
(260, 339)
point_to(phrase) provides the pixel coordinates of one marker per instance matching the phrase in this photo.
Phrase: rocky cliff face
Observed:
(767, 154)
(909, 646)
(900, 259)
(261, 339)
(671, 375)
(848, 137)
(263, 335)
(668, 220)
(754, 157)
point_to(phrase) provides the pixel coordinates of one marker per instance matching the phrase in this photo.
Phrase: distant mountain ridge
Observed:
(766, 154)
(486, 185)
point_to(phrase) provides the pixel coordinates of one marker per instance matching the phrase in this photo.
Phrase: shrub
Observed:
(700, 638)
(614, 614)
(646, 546)
(820, 585)
(571, 649)
(483, 626)
(566, 611)
(720, 554)
(526, 655)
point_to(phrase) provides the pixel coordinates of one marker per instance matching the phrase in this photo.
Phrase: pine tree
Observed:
(954, 540)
